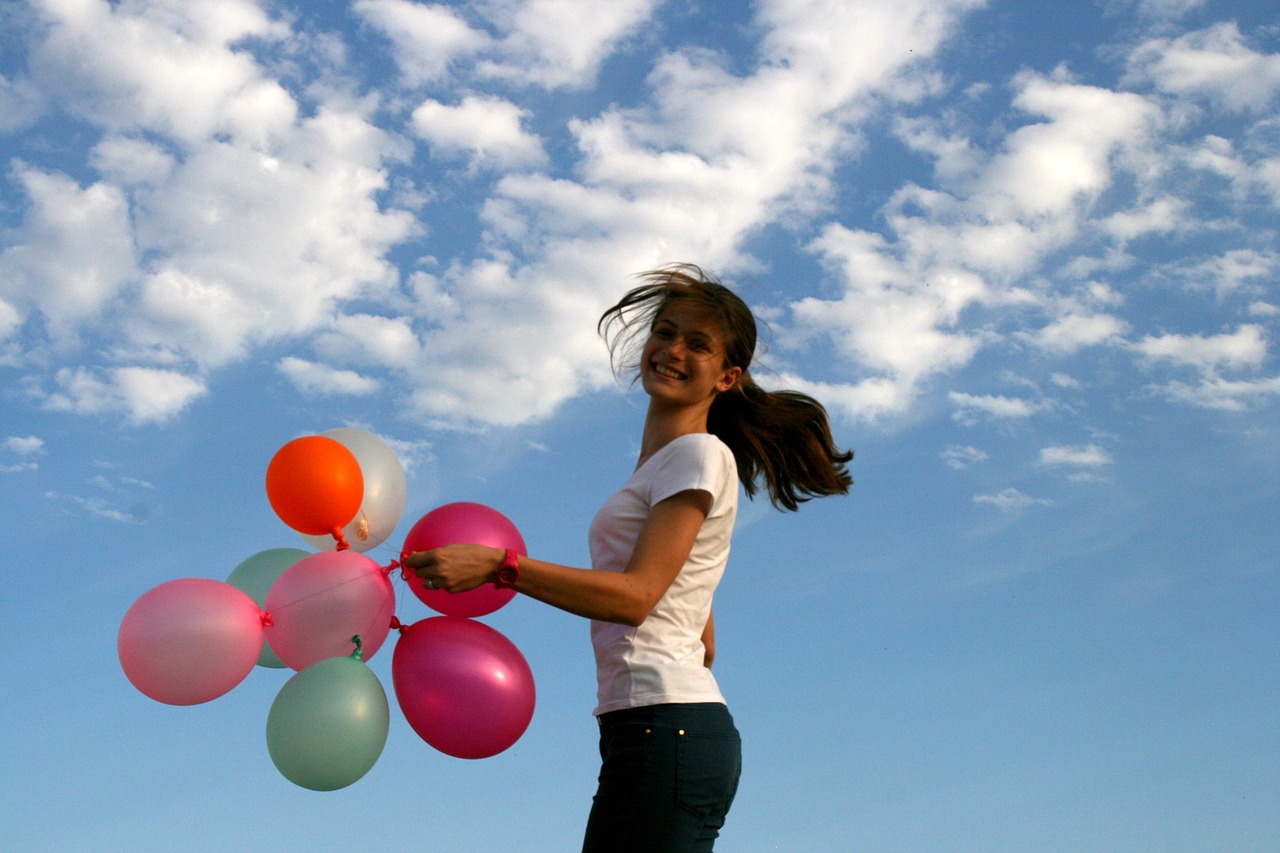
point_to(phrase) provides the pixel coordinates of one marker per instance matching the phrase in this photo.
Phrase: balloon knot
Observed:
(267, 621)
(358, 654)
(405, 571)
(396, 625)
(341, 540)
(387, 570)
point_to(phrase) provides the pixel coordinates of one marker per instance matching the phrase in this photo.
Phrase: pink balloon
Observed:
(463, 523)
(322, 601)
(190, 640)
(464, 687)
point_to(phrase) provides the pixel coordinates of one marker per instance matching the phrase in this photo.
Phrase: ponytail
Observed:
(780, 437)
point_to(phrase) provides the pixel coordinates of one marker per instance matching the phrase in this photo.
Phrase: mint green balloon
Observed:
(328, 724)
(255, 576)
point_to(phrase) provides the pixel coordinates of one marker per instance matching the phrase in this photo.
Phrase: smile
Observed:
(667, 372)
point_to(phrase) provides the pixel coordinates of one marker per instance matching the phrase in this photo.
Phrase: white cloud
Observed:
(70, 257)
(1214, 63)
(1233, 271)
(19, 104)
(904, 301)
(557, 43)
(488, 130)
(970, 408)
(426, 37)
(959, 457)
(1214, 392)
(23, 445)
(1011, 500)
(1245, 347)
(1077, 456)
(167, 66)
(26, 448)
(238, 202)
(319, 379)
(1159, 216)
(144, 395)
(1071, 332)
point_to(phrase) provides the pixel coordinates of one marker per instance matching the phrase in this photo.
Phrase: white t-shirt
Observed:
(661, 660)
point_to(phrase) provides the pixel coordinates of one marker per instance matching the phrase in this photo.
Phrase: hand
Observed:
(456, 568)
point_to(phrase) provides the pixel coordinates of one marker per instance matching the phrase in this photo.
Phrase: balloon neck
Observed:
(340, 539)
(358, 653)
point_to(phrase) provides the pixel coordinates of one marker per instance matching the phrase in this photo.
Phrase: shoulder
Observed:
(699, 450)
(696, 461)
(698, 444)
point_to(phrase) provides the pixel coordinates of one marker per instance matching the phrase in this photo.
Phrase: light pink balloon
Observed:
(463, 523)
(322, 601)
(464, 687)
(190, 640)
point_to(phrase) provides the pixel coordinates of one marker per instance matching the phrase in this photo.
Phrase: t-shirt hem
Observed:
(627, 704)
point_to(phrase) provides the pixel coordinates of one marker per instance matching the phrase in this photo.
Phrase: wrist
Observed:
(508, 571)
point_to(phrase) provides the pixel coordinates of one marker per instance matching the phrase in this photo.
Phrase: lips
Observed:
(668, 372)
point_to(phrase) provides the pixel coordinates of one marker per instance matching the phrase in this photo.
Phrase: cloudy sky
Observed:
(1026, 253)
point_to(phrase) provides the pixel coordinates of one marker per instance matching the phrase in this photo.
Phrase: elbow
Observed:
(632, 617)
(632, 611)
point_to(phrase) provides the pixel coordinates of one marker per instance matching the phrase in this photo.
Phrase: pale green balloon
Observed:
(328, 724)
(255, 575)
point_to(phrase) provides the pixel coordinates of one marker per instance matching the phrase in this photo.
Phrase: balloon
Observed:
(314, 484)
(255, 575)
(457, 523)
(464, 687)
(190, 640)
(384, 491)
(328, 724)
(324, 599)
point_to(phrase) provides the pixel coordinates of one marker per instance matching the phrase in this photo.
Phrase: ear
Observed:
(728, 379)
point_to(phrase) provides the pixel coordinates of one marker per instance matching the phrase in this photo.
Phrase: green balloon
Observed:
(255, 575)
(328, 724)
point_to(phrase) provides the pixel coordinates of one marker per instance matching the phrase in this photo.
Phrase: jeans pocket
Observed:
(708, 766)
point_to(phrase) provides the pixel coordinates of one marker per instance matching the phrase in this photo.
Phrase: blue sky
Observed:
(1026, 253)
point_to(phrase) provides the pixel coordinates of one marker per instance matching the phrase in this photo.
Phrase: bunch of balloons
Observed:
(463, 687)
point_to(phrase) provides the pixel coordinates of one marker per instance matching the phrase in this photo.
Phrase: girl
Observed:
(670, 753)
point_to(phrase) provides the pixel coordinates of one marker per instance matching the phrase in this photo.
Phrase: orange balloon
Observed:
(315, 485)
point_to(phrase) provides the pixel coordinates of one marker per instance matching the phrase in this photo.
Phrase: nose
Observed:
(675, 345)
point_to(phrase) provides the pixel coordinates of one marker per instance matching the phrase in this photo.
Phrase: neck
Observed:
(662, 425)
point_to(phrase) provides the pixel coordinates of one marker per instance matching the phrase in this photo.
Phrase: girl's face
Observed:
(683, 360)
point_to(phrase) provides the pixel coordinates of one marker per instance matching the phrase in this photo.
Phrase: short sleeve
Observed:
(700, 462)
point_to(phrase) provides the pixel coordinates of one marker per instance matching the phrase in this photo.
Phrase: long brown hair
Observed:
(780, 437)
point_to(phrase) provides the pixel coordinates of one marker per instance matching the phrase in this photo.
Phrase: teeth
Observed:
(667, 372)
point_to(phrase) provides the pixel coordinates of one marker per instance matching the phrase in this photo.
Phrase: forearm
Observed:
(603, 595)
(624, 597)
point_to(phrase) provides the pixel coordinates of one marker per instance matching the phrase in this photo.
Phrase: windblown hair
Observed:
(780, 437)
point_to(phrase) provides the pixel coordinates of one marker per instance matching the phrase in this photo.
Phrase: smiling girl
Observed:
(671, 755)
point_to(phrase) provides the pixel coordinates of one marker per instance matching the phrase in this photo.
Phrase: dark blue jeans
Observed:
(668, 775)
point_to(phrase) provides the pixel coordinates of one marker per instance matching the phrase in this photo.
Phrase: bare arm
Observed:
(709, 640)
(625, 597)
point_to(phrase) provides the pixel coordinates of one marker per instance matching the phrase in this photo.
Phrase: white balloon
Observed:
(384, 491)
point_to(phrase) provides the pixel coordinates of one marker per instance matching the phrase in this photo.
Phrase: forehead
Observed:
(690, 317)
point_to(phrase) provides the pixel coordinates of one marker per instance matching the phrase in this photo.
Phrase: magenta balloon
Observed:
(190, 640)
(463, 523)
(463, 687)
(322, 601)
